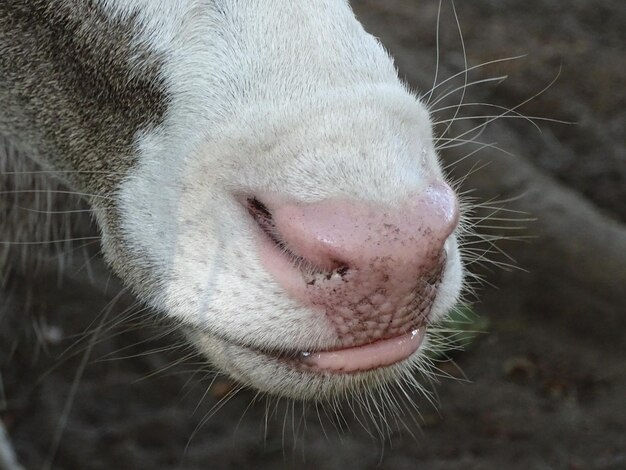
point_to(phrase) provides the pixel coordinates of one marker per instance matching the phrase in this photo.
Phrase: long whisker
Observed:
(474, 67)
(428, 95)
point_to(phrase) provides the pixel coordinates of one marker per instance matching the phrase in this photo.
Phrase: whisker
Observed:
(462, 88)
(51, 212)
(45, 242)
(472, 68)
(55, 191)
(438, 52)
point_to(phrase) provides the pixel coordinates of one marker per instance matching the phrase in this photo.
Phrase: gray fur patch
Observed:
(74, 93)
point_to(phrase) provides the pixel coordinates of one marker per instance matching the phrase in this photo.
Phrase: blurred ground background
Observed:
(546, 385)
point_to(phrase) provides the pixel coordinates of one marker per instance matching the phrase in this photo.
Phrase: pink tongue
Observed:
(371, 356)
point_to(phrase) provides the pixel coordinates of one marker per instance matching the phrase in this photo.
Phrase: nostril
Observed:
(256, 207)
(262, 215)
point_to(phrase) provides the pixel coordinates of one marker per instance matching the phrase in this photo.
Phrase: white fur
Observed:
(292, 97)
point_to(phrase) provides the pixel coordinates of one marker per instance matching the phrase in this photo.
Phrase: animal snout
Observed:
(372, 269)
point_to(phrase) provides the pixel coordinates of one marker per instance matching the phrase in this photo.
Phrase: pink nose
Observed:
(373, 270)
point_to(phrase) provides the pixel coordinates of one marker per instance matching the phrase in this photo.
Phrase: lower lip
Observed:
(367, 357)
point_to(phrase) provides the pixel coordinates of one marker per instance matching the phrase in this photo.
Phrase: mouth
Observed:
(354, 359)
(371, 356)
(317, 375)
